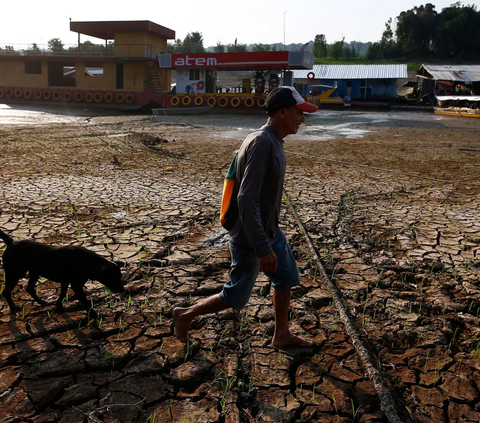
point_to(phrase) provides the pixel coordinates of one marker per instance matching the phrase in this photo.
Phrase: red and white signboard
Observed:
(250, 60)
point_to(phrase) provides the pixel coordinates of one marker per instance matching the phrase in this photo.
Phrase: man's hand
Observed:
(268, 263)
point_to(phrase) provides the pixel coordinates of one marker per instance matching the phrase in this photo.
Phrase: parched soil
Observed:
(394, 217)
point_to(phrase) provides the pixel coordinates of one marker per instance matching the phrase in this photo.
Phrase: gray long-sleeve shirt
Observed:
(260, 174)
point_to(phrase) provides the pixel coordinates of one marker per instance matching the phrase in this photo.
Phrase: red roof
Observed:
(106, 29)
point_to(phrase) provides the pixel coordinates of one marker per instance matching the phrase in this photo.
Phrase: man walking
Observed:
(256, 241)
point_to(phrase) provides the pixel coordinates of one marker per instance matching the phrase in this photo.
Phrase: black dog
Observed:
(69, 264)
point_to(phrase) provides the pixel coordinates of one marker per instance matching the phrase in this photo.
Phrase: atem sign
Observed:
(197, 62)
(250, 60)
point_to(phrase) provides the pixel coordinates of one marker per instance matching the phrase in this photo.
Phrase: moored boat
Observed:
(458, 106)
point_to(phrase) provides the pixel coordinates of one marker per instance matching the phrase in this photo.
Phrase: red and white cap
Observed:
(282, 97)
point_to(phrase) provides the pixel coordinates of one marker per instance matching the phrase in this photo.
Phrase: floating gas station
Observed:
(196, 77)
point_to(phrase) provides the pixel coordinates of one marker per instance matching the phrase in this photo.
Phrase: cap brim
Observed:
(307, 107)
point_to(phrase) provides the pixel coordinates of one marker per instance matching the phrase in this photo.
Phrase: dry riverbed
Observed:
(389, 200)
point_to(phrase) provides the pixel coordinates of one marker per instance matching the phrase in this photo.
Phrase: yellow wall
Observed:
(134, 76)
(105, 82)
(134, 44)
(13, 75)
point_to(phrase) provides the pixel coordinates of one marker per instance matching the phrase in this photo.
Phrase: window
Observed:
(33, 68)
(94, 71)
(194, 74)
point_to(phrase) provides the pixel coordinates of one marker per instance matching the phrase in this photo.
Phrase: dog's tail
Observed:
(6, 239)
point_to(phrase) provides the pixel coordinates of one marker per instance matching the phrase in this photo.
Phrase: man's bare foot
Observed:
(290, 339)
(181, 323)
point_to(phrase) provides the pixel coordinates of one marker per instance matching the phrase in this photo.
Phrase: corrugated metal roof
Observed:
(463, 73)
(354, 72)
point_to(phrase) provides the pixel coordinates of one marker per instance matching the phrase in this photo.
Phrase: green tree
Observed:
(347, 52)
(10, 50)
(176, 46)
(320, 46)
(34, 49)
(261, 47)
(219, 48)
(87, 48)
(336, 49)
(237, 48)
(456, 33)
(415, 31)
(374, 51)
(193, 43)
(55, 44)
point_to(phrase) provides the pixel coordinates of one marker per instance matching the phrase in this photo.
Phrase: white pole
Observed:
(284, 45)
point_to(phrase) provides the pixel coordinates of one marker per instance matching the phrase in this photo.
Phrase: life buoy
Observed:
(129, 98)
(198, 101)
(98, 97)
(212, 101)
(89, 97)
(56, 95)
(8, 92)
(79, 96)
(67, 96)
(27, 94)
(120, 98)
(108, 97)
(18, 92)
(186, 100)
(47, 95)
(38, 95)
(235, 102)
(222, 101)
(200, 85)
(174, 101)
(261, 102)
(249, 102)
(311, 75)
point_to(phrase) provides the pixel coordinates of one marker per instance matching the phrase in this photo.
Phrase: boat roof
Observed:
(458, 73)
(354, 72)
(458, 97)
(106, 30)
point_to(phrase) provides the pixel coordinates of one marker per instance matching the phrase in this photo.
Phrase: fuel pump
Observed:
(259, 81)
(273, 81)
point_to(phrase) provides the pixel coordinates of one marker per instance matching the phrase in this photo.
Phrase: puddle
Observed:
(310, 131)
(324, 133)
(24, 115)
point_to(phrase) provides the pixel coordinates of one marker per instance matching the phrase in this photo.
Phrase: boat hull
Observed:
(458, 112)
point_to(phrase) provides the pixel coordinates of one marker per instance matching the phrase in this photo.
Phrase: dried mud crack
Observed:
(403, 251)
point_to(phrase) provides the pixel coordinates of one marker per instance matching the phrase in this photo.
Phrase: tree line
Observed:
(193, 43)
(417, 33)
(55, 45)
(422, 32)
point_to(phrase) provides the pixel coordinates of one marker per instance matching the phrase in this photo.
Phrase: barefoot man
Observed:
(256, 241)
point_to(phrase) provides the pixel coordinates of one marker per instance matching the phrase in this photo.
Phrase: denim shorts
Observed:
(244, 271)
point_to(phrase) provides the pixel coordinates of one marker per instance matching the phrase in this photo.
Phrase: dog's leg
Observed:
(11, 280)
(32, 281)
(63, 294)
(80, 296)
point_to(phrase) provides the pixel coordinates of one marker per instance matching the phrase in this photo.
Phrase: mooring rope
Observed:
(387, 403)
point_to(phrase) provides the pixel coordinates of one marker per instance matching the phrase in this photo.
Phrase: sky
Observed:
(249, 21)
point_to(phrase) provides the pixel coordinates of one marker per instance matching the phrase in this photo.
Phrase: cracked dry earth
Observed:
(404, 251)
